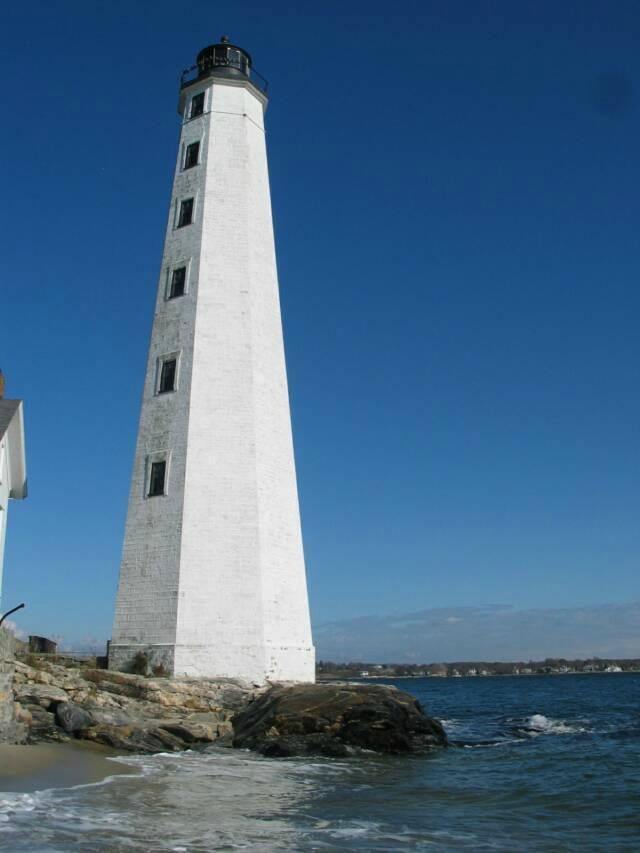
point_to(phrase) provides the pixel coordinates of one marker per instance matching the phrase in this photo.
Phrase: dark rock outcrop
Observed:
(336, 719)
(72, 718)
(43, 726)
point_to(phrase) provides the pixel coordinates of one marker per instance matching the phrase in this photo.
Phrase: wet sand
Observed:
(55, 765)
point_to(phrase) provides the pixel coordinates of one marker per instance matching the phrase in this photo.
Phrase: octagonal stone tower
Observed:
(212, 581)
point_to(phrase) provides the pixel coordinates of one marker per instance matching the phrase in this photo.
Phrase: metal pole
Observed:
(9, 612)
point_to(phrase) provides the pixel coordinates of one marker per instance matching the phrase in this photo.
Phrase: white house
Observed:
(13, 468)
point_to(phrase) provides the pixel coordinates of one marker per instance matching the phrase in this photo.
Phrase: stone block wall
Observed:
(7, 710)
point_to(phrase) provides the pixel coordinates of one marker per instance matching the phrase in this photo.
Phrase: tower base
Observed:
(257, 664)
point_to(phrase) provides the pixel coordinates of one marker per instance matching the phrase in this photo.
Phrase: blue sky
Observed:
(490, 632)
(455, 191)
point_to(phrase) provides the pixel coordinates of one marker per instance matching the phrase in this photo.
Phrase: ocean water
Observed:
(549, 763)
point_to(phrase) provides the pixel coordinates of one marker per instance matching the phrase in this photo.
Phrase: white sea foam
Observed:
(15, 803)
(538, 724)
(355, 829)
(229, 800)
(458, 728)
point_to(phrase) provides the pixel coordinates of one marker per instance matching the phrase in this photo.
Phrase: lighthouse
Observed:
(212, 579)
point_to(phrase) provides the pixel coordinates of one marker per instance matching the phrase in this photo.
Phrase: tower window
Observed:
(185, 216)
(157, 478)
(191, 155)
(168, 376)
(197, 105)
(178, 281)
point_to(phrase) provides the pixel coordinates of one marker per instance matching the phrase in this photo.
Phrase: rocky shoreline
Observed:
(135, 713)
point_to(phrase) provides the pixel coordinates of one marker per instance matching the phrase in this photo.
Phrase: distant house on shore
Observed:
(13, 466)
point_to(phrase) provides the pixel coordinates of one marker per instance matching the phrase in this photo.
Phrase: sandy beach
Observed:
(55, 765)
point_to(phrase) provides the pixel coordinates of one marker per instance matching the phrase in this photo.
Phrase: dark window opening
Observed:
(178, 279)
(191, 155)
(186, 213)
(168, 376)
(156, 480)
(197, 105)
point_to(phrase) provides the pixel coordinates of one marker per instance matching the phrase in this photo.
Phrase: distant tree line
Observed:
(363, 669)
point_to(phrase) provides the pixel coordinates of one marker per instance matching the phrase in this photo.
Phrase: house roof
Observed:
(12, 426)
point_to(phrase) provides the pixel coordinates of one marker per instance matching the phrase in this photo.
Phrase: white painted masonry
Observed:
(212, 581)
(13, 467)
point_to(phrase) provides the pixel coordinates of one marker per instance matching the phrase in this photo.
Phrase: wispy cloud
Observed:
(497, 632)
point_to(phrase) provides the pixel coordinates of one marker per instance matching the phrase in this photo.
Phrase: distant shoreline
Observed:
(472, 669)
(488, 675)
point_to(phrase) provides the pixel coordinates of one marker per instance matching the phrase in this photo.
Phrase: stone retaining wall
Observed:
(7, 711)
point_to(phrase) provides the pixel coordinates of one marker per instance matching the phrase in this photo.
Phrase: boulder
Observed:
(120, 683)
(23, 715)
(190, 733)
(72, 717)
(43, 726)
(125, 738)
(199, 728)
(43, 695)
(336, 719)
(133, 738)
(108, 716)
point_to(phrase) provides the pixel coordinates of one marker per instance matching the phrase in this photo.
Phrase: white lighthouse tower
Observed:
(212, 581)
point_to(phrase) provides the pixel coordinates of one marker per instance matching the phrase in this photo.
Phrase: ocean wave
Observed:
(355, 829)
(507, 767)
(539, 724)
(253, 795)
(500, 732)
(489, 744)
(461, 729)
(14, 804)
